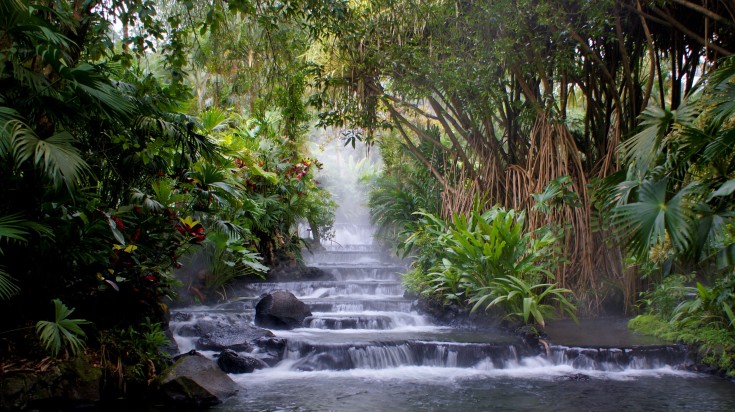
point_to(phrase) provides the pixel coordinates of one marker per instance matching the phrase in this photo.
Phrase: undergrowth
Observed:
(714, 345)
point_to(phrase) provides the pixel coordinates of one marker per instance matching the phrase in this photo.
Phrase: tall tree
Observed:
(523, 92)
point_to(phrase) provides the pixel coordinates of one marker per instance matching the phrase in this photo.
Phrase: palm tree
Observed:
(681, 175)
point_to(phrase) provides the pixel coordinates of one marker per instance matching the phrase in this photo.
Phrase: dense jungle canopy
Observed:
(156, 147)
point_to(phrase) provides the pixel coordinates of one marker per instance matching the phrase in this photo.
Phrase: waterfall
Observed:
(366, 347)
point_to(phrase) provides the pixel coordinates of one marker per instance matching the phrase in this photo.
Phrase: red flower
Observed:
(197, 234)
(181, 229)
(118, 223)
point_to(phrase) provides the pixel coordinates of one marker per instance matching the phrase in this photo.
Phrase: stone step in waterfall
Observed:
(361, 320)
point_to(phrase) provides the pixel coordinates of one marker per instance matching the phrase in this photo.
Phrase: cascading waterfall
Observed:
(365, 348)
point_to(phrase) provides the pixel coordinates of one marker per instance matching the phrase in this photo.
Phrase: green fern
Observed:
(62, 331)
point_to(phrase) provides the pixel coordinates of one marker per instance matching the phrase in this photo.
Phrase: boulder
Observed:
(63, 385)
(236, 337)
(196, 381)
(270, 350)
(232, 362)
(224, 333)
(280, 309)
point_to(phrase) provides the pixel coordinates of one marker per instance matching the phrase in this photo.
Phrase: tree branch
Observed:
(707, 12)
(416, 152)
(651, 51)
(690, 33)
(458, 147)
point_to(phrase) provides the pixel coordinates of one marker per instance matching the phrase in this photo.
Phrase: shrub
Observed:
(487, 260)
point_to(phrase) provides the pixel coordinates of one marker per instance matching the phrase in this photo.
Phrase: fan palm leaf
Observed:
(648, 221)
(641, 150)
(62, 331)
(55, 156)
(100, 91)
(719, 84)
(213, 120)
(16, 228)
(722, 146)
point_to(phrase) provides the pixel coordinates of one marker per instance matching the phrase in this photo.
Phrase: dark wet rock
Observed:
(280, 309)
(313, 273)
(172, 348)
(220, 332)
(236, 336)
(270, 350)
(577, 377)
(299, 273)
(181, 317)
(223, 342)
(452, 314)
(324, 361)
(192, 352)
(285, 268)
(196, 381)
(534, 337)
(209, 324)
(232, 362)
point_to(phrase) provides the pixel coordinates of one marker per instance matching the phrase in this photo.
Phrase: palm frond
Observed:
(97, 87)
(648, 221)
(13, 6)
(8, 286)
(232, 230)
(61, 331)
(213, 120)
(15, 227)
(641, 150)
(55, 156)
(722, 146)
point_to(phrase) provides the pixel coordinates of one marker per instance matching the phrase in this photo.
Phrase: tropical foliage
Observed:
(143, 139)
(486, 260)
(674, 207)
(122, 175)
(510, 96)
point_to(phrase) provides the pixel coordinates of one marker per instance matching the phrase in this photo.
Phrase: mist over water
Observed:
(343, 168)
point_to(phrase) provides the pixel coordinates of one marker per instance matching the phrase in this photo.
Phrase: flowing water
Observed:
(366, 349)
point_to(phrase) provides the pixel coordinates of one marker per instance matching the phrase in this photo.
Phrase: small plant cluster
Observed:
(697, 315)
(486, 260)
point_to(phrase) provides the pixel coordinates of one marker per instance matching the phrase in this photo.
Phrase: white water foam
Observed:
(304, 333)
(449, 375)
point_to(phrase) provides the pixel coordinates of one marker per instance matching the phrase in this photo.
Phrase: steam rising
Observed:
(344, 166)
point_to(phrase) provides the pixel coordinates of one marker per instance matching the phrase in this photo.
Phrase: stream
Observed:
(366, 349)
